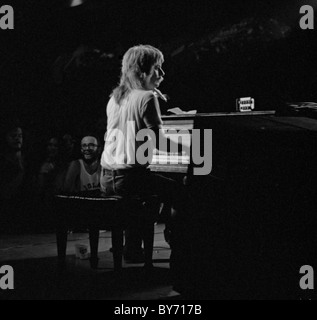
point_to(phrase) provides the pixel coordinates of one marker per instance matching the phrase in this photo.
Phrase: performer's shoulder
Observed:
(144, 94)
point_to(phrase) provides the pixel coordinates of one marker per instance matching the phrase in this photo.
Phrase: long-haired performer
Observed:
(134, 129)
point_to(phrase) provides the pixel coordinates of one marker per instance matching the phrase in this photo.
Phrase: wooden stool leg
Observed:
(148, 238)
(117, 247)
(94, 243)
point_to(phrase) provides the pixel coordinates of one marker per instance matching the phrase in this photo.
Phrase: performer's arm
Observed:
(153, 122)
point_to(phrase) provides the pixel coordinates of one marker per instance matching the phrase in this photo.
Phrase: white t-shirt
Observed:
(139, 110)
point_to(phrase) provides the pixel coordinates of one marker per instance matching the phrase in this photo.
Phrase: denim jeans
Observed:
(143, 183)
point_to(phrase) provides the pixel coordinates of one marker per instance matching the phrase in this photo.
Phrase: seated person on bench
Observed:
(133, 123)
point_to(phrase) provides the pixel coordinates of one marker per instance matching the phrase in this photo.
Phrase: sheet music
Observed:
(180, 111)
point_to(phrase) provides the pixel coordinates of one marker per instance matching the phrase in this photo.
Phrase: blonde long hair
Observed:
(136, 61)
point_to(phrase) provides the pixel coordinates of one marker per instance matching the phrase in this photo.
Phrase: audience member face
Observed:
(52, 148)
(154, 78)
(68, 143)
(89, 149)
(14, 139)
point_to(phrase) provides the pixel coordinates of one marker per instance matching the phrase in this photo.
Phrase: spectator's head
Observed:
(52, 147)
(90, 148)
(68, 143)
(13, 136)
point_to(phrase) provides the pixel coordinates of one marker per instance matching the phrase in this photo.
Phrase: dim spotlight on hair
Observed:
(6, 17)
(307, 19)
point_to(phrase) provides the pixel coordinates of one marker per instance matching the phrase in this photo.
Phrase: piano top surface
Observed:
(215, 114)
(265, 123)
(255, 120)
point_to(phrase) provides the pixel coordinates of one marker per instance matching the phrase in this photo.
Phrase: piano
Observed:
(175, 128)
(253, 224)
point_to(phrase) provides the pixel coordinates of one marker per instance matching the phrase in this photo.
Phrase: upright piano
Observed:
(253, 224)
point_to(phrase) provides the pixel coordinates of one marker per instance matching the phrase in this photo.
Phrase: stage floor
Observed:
(38, 276)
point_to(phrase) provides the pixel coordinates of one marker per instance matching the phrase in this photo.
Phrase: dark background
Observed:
(60, 63)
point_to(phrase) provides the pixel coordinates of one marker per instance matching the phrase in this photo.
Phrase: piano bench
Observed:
(114, 213)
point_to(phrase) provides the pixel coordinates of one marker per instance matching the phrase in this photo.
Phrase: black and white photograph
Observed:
(158, 151)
